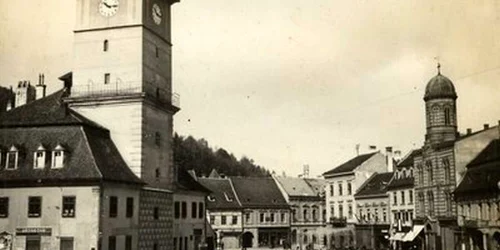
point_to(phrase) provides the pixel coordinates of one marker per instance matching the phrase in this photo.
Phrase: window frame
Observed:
(66, 201)
(4, 207)
(113, 207)
(129, 208)
(37, 206)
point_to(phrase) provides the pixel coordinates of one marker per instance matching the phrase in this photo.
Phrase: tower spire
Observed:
(439, 68)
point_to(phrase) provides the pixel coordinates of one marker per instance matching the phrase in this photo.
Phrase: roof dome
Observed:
(440, 87)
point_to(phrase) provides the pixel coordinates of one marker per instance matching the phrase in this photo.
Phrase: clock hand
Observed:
(116, 5)
(106, 4)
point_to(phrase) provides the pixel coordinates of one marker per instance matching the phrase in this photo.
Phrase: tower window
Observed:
(157, 51)
(105, 45)
(157, 173)
(447, 118)
(107, 78)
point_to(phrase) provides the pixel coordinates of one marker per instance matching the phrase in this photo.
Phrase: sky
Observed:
(290, 83)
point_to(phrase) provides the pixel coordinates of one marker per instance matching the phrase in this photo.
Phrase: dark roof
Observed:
(317, 185)
(440, 87)
(408, 160)
(406, 163)
(223, 196)
(6, 97)
(258, 192)
(483, 172)
(186, 182)
(90, 156)
(375, 185)
(351, 164)
(47, 111)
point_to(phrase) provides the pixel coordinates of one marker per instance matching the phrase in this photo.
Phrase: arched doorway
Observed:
(247, 240)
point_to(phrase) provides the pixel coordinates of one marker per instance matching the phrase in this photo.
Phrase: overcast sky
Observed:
(295, 82)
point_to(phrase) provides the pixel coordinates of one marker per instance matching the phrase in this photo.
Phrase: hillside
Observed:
(190, 153)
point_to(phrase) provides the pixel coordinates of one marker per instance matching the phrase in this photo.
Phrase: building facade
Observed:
(342, 183)
(372, 209)
(478, 198)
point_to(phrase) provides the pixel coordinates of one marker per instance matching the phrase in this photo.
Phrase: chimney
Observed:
(486, 126)
(469, 131)
(372, 148)
(389, 159)
(25, 93)
(40, 87)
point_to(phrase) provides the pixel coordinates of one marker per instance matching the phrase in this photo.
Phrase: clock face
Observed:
(108, 8)
(157, 15)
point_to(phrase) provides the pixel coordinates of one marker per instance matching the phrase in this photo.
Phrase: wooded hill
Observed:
(192, 154)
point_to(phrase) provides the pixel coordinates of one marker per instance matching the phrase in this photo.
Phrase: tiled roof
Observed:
(296, 186)
(258, 192)
(375, 185)
(186, 182)
(351, 164)
(89, 156)
(222, 196)
(46, 111)
(317, 185)
(483, 172)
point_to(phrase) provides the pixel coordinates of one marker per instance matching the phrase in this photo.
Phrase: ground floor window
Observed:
(33, 243)
(66, 243)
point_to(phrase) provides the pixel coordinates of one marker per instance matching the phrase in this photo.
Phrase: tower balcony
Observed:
(125, 89)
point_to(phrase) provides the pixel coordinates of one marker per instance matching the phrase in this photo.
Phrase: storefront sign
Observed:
(40, 231)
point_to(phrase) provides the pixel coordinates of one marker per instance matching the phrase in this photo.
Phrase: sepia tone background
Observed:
(295, 82)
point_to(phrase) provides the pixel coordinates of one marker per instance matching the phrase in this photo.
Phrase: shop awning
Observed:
(410, 236)
(397, 236)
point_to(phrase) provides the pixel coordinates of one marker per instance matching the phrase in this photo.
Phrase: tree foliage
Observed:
(190, 153)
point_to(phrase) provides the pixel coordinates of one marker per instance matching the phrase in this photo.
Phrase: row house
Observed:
(264, 214)
(372, 209)
(402, 203)
(342, 183)
(308, 213)
(478, 199)
(225, 213)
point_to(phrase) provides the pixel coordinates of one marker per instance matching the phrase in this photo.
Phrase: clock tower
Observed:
(122, 79)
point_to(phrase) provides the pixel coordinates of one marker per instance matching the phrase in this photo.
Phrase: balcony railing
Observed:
(120, 88)
(338, 222)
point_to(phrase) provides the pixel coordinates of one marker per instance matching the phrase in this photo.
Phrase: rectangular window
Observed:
(39, 160)
(368, 214)
(175, 243)
(212, 219)
(194, 209)
(395, 196)
(402, 197)
(283, 217)
(331, 190)
(130, 207)
(410, 196)
(384, 214)
(340, 189)
(223, 220)
(33, 243)
(11, 160)
(247, 217)
(184, 210)
(201, 210)
(341, 211)
(57, 159)
(376, 214)
(262, 217)
(128, 242)
(68, 206)
(113, 206)
(66, 243)
(350, 211)
(349, 188)
(235, 220)
(177, 210)
(332, 211)
(34, 206)
(112, 243)
(158, 139)
(4, 207)
(272, 217)
(156, 213)
(107, 78)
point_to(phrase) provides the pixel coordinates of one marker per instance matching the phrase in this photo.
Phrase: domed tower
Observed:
(440, 109)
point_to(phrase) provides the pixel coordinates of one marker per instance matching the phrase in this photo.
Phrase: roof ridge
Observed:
(234, 191)
(91, 152)
(366, 183)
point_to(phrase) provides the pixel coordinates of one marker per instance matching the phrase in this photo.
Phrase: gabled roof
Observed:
(186, 182)
(350, 165)
(214, 174)
(47, 111)
(483, 172)
(90, 156)
(222, 196)
(296, 187)
(258, 192)
(317, 185)
(375, 185)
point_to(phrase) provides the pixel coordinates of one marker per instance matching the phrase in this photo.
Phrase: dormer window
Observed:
(211, 198)
(12, 158)
(58, 157)
(229, 199)
(39, 157)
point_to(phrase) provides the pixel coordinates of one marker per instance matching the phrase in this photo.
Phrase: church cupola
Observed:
(440, 109)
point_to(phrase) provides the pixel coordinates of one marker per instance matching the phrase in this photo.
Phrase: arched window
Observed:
(430, 197)
(447, 116)
(105, 46)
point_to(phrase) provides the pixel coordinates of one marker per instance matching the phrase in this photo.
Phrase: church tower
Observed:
(440, 109)
(122, 79)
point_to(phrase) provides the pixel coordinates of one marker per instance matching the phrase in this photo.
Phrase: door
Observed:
(66, 243)
(33, 243)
